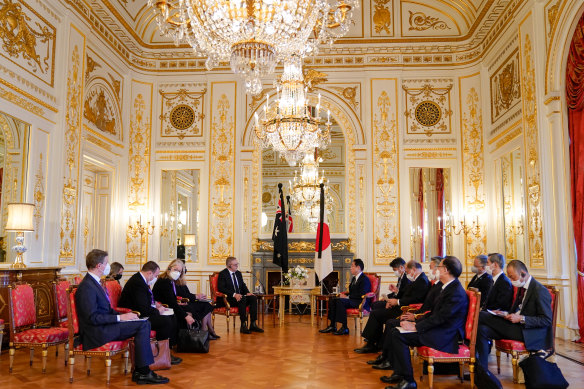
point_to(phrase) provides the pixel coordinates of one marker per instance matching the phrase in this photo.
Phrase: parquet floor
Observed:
(293, 356)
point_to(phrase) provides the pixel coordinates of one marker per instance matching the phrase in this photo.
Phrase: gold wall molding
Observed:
(385, 173)
(74, 108)
(505, 87)
(428, 109)
(532, 169)
(381, 16)
(301, 246)
(182, 113)
(140, 134)
(39, 196)
(28, 40)
(430, 155)
(419, 21)
(22, 102)
(222, 171)
(473, 164)
(27, 95)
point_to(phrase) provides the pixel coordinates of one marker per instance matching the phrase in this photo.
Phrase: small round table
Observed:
(283, 291)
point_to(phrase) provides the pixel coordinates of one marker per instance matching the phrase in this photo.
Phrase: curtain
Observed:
(440, 209)
(575, 100)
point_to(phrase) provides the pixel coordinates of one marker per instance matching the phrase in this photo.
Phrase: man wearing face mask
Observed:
(100, 324)
(501, 295)
(414, 293)
(482, 280)
(529, 320)
(138, 296)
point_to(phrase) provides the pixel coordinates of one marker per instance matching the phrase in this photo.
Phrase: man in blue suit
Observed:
(100, 324)
(442, 329)
(529, 320)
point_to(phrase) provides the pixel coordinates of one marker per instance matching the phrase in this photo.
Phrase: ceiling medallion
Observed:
(182, 117)
(428, 113)
(290, 126)
(253, 35)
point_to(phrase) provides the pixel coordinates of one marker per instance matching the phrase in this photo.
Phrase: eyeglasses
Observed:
(235, 264)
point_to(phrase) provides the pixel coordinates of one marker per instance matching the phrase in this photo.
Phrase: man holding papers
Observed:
(441, 329)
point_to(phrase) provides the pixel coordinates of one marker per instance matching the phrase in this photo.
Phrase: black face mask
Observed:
(118, 277)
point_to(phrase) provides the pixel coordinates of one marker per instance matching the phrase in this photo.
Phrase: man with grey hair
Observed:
(482, 280)
(501, 295)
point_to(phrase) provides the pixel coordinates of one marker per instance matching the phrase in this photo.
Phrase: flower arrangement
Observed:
(296, 273)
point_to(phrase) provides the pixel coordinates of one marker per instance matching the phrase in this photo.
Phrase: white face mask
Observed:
(411, 277)
(474, 269)
(153, 281)
(437, 275)
(518, 283)
(174, 275)
(107, 269)
(489, 269)
(397, 273)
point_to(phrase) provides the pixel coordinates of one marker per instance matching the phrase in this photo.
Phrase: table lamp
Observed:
(20, 219)
(189, 244)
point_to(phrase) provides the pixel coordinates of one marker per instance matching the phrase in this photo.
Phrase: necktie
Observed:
(174, 287)
(102, 283)
(399, 280)
(518, 300)
(235, 284)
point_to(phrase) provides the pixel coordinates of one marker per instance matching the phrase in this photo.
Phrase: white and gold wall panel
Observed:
(419, 19)
(222, 171)
(473, 166)
(139, 138)
(182, 110)
(37, 192)
(531, 139)
(505, 87)
(28, 39)
(72, 143)
(382, 18)
(385, 173)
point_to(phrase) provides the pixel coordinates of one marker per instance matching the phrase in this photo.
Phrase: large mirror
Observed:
(430, 203)
(179, 214)
(512, 200)
(276, 170)
(13, 164)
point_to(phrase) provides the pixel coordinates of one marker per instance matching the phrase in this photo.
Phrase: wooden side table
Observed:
(263, 302)
(283, 291)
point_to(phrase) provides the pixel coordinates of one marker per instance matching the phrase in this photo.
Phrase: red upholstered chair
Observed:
(1, 333)
(114, 291)
(516, 348)
(359, 313)
(23, 331)
(226, 310)
(107, 351)
(466, 354)
(60, 293)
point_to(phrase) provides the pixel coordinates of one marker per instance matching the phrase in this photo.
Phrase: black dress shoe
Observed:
(392, 379)
(380, 358)
(213, 337)
(149, 379)
(367, 349)
(327, 330)
(253, 327)
(175, 360)
(385, 365)
(244, 330)
(403, 384)
(342, 331)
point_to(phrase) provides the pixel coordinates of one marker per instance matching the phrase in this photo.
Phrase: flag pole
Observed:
(321, 231)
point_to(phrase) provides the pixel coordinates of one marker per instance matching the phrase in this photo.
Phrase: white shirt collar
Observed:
(527, 283)
(357, 276)
(95, 277)
(480, 275)
(231, 272)
(495, 278)
(448, 283)
(144, 278)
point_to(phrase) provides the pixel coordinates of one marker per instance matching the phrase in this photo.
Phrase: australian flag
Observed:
(280, 234)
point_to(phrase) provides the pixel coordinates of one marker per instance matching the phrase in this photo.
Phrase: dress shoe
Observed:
(392, 379)
(244, 330)
(175, 360)
(403, 384)
(327, 330)
(342, 331)
(380, 358)
(253, 327)
(367, 349)
(213, 334)
(213, 337)
(149, 379)
(385, 365)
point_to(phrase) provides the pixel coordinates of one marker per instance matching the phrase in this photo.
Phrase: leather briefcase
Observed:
(193, 340)
(160, 352)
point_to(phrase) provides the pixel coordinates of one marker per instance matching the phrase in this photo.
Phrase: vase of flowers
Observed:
(297, 276)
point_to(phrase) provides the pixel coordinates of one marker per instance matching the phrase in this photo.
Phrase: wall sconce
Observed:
(189, 244)
(20, 219)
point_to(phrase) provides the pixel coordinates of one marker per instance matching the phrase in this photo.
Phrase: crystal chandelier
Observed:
(253, 35)
(305, 190)
(290, 126)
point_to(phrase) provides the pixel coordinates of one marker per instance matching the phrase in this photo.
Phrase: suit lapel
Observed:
(98, 285)
(528, 293)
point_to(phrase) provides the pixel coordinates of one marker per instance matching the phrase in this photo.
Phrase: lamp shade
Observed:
(189, 239)
(20, 217)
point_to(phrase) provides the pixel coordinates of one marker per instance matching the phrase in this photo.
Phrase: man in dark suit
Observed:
(442, 329)
(414, 293)
(230, 283)
(382, 362)
(482, 280)
(138, 296)
(359, 286)
(501, 295)
(100, 324)
(529, 320)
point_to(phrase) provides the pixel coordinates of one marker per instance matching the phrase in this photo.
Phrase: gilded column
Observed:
(72, 143)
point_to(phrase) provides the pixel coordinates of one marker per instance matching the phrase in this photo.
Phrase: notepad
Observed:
(500, 313)
(404, 331)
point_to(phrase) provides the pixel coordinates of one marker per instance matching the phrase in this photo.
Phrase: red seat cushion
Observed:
(64, 324)
(153, 334)
(355, 312)
(463, 352)
(111, 346)
(507, 344)
(232, 311)
(42, 335)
